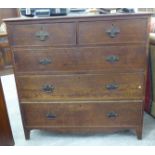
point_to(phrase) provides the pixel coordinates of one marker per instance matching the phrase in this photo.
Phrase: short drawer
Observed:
(53, 34)
(116, 31)
(82, 114)
(80, 87)
(54, 60)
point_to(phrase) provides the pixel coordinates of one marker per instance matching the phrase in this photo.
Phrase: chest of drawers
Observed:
(80, 74)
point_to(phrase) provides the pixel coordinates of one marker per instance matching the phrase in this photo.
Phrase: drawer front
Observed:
(81, 59)
(116, 31)
(80, 87)
(43, 34)
(82, 114)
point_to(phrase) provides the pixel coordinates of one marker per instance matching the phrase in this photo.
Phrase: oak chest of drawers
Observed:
(80, 74)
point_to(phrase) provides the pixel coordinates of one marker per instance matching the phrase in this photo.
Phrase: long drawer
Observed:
(82, 114)
(112, 31)
(53, 34)
(54, 60)
(81, 87)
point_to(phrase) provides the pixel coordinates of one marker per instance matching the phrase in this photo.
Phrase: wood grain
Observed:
(58, 34)
(80, 59)
(81, 87)
(95, 32)
(82, 114)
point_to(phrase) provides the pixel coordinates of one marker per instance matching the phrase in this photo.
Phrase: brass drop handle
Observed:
(113, 31)
(112, 58)
(45, 61)
(112, 114)
(50, 116)
(48, 88)
(111, 86)
(42, 35)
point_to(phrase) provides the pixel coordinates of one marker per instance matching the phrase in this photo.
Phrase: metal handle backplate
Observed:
(112, 114)
(113, 31)
(112, 58)
(42, 35)
(48, 88)
(45, 61)
(50, 116)
(111, 86)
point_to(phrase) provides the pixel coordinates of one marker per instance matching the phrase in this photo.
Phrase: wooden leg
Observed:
(27, 134)
(139, 133)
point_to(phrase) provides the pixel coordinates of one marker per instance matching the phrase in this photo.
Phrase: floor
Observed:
(42, 138)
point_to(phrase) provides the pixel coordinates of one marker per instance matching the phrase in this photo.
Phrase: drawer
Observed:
(53, 34)
(115, 31)
(116, 58)
(80, 87)
(82, 114)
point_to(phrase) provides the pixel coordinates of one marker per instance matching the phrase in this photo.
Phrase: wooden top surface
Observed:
(84, 16)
